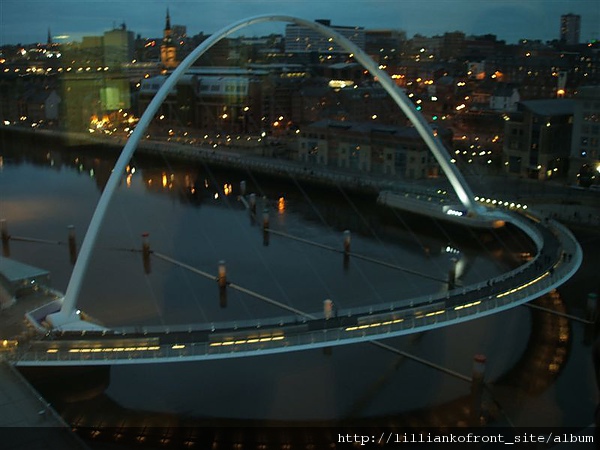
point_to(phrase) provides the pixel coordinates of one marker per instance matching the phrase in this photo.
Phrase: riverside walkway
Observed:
(27, 420)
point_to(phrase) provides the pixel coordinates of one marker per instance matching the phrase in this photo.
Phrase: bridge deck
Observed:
(558, 258)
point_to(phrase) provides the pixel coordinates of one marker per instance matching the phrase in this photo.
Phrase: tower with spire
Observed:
(168, 50)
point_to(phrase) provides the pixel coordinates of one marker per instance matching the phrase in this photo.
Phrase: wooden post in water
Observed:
(452, 274)
(72, 244)
(328, 314)
(252, 201)
(5, 238)
(347, 240)
(328, 309)
(592, 316)
(592, 307)
(477, 389)
(222, 281)
(146, 253)
(266, 227)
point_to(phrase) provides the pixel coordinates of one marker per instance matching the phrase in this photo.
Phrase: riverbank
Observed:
(576, 208)
(240, 158)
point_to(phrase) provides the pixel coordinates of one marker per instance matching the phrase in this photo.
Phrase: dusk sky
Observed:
(28, 21)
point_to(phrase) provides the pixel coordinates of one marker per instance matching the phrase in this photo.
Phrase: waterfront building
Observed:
(40, 106)
(537, 139)
(219, 99)
(585, 143)
(368, 147)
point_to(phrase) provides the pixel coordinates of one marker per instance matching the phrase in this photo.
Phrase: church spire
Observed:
(168, 50)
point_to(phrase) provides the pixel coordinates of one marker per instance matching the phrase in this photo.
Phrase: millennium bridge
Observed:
(66, 338)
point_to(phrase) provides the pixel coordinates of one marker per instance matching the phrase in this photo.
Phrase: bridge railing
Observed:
(239, 345)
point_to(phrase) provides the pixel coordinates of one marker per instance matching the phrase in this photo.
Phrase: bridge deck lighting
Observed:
(523, 286)
(374, 325)
(468, 305)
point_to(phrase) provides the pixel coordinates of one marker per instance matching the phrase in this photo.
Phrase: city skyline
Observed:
(508, 20)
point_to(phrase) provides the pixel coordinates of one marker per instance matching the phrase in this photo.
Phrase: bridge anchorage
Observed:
(76, 341)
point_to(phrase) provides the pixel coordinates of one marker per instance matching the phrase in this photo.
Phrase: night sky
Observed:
(28, 21)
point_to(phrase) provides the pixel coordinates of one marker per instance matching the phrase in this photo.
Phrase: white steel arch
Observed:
(67, 313)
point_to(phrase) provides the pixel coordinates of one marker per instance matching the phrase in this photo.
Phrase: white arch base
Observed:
(67, 313)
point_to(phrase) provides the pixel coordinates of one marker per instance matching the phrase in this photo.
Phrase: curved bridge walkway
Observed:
(557, 259)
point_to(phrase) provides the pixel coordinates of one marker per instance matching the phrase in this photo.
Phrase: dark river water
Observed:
(539, 369)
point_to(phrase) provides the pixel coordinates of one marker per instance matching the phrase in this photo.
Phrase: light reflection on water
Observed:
(185, 220)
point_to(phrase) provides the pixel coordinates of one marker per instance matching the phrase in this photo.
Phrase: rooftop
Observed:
(552, 107)
(16, 272)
